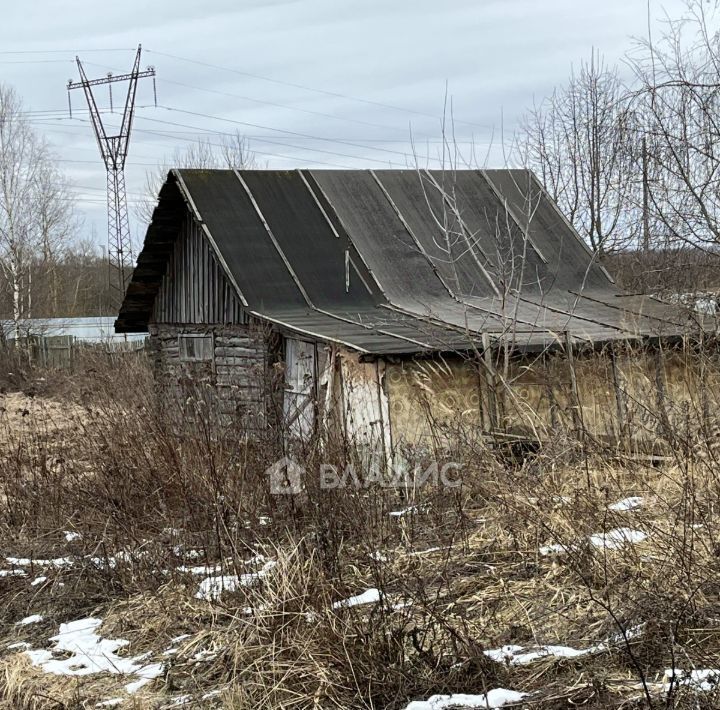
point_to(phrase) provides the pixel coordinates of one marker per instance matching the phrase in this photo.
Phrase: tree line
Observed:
(632, 157)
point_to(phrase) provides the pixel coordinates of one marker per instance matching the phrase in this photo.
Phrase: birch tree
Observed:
(22, 157)
(35, 206)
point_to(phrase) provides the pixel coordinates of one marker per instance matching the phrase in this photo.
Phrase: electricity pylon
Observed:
(114, 150)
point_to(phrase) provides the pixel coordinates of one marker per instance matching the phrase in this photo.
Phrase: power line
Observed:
(288, 145)
(286, 106)
(276, 104)
(281, 130)
(199, 131)
(35, 61)
(216, 145)
(65, 51)
(334, 94)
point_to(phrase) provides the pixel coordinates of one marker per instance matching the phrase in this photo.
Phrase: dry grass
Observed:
(461, 575)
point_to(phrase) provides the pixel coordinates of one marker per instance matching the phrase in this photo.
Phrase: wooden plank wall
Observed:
(230, 387)
(194, 288)
(196, 298)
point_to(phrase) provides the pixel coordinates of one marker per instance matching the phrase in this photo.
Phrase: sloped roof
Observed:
(395, 261)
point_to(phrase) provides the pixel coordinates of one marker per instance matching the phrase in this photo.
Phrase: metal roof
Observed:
(397, 261)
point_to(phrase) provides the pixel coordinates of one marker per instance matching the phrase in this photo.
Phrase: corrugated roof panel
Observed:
(405, 275)
(306, 238)
(242, 239)
(439, 232)
(569, 263)
(515, 263)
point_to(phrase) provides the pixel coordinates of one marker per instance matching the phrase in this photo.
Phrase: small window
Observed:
(197, 348)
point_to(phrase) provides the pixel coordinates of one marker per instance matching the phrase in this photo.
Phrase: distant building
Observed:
(384, 302)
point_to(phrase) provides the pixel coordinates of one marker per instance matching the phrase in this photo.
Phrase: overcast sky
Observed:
(312, 83)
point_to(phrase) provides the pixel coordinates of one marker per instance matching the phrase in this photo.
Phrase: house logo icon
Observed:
(285, 477)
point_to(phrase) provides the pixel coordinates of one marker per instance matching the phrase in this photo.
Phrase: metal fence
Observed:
(61, 351)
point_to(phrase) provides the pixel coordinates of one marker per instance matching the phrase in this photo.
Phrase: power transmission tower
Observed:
(114, 150)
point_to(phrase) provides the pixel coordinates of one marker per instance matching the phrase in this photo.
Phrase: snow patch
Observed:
(518, 656)
(617, 538)
(555, 549)
(211, 588)
(369, 596)
(626, 504)
(402, 513)
(496, 698)
(26, 562)
(32, 619)
(38, 580)
(705, 679)
(203, 569)
(71, 536)
(91, 654)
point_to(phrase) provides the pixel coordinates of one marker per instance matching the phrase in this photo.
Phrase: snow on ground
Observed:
(626, 504)
(26, 562)
(369, 596)
(211, 588)
(38, 580)
(552, 549)
(518, 656)
(617, 538)
(202, 569)
(32, 619)
(496, 698)
(71, 536)
(90, 653)
(146, 674)
(705, 679)
(401, 513)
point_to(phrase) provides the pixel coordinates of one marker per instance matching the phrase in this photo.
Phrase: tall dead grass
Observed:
(506, 558)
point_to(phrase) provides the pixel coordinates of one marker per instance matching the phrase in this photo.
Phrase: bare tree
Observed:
(35, 212)
(229, 150)
(581, 143)
(678, 95)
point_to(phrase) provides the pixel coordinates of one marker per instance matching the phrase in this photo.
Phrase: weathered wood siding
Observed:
(231, 386)
(195, 288)
(196, 299)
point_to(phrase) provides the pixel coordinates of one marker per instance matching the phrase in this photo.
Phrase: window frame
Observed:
(187, 338)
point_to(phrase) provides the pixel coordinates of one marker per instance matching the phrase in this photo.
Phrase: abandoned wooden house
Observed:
(392, 301)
